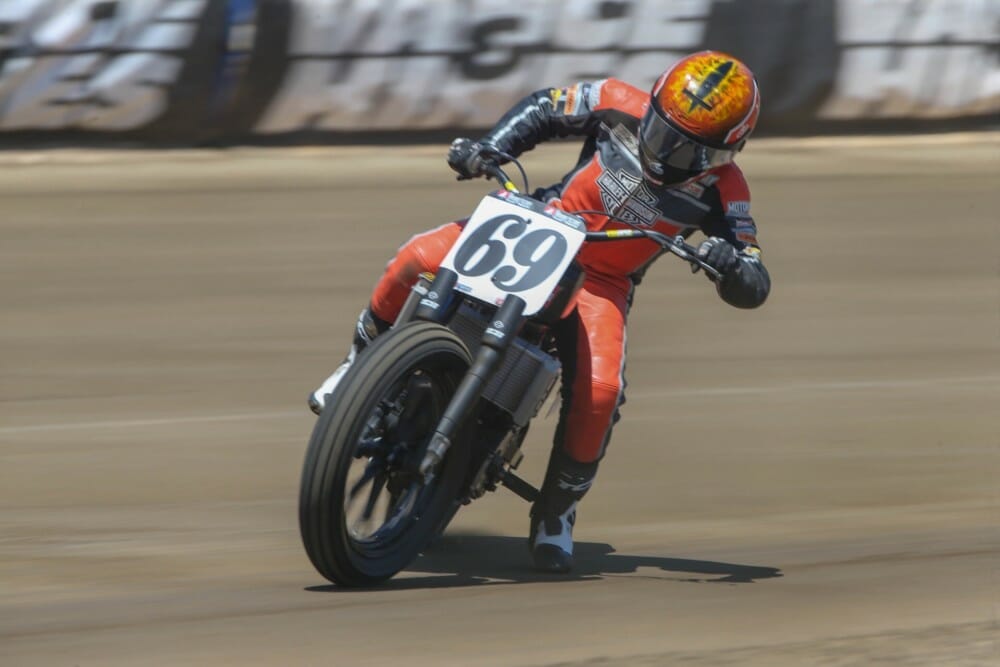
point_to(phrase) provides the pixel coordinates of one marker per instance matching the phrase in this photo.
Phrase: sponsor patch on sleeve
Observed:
(573, 100)
(567, 101)
(594, 94)
(744, 230)
(738, 208)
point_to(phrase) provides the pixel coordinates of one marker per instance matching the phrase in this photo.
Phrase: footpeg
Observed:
(520, 487)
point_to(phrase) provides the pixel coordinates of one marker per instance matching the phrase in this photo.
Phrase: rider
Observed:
(661, 161)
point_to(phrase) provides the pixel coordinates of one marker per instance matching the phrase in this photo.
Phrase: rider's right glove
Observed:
(469, 158)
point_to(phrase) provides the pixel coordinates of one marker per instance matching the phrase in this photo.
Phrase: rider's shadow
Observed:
(464, 559)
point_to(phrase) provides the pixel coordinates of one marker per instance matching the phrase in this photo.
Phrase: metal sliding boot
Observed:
(496, 339)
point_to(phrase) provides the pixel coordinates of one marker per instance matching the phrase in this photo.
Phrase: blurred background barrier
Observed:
(204, 71)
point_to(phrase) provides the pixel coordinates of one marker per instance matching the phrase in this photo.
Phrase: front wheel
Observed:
(364, 511)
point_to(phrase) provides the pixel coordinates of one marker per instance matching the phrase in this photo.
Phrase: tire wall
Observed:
(229, 71)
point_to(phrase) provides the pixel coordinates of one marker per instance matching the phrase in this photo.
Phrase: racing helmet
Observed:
(700, 113)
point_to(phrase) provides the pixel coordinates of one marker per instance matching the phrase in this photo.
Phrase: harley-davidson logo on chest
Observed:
(627, 198)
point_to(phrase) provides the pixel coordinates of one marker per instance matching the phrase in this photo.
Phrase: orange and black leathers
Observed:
(607, 178)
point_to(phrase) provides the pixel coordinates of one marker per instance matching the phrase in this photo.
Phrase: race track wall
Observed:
(196, 71)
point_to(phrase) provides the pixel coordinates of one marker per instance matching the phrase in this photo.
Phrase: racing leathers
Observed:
(607, 189)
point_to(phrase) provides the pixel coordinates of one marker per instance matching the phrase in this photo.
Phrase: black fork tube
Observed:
(496, 339)
(440, 299)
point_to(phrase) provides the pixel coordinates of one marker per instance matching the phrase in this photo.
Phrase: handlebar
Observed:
(496, 171)
(675, 245)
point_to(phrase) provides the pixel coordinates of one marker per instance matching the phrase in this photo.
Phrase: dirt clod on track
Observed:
(812, 483)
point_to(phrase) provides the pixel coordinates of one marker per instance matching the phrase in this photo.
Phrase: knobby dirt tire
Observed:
(323, 520)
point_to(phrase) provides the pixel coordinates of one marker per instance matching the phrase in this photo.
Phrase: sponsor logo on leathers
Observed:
(626, 197)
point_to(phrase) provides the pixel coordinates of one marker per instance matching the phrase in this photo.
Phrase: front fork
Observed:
(496, 339)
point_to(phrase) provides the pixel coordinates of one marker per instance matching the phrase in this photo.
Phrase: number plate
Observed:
(514, 245)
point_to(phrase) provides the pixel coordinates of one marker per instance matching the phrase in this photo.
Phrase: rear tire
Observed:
(382, 416)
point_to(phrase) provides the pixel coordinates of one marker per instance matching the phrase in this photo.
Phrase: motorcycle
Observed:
(433, 413)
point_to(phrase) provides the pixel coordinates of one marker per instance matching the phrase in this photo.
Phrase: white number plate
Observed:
(509, 248)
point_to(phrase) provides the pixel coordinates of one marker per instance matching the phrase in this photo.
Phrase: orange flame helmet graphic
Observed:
(711, 97)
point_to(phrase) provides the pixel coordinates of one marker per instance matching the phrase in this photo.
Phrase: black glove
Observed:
(469, 158)
(720, 254)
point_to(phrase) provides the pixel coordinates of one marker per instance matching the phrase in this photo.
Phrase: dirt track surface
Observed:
(812, 483)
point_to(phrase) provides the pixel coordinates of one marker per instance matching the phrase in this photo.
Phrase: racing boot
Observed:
(554, 513)
(368, 327)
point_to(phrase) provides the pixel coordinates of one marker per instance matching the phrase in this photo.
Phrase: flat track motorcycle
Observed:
(432, 414)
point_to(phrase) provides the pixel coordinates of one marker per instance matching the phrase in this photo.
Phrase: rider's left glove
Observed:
(719, 253)
(469, 158)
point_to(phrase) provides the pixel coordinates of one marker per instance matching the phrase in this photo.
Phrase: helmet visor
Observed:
(674, 150)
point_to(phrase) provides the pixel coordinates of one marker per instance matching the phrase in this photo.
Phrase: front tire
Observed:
(381, 418)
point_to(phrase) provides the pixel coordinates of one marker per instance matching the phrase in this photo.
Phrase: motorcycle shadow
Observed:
(466, 559)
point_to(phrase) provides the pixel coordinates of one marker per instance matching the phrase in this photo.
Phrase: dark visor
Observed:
(671, 148)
